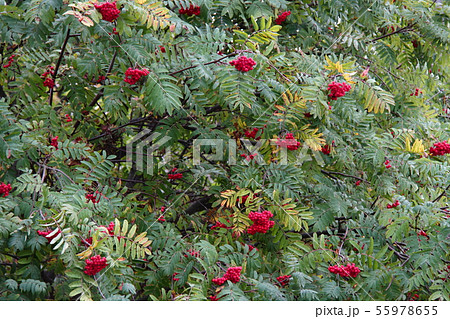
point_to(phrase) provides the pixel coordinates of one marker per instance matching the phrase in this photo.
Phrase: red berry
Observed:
(345, 271)
(108, 10)
(289, 142)
(94, 265)
(232, 274)
(326, 149)
(283, 280)
(440, 148)
(173, 176)
(261, 222)
(46, 233)
(134, 75)
(48, 82)
(5, 189)
(338, 89)
(54, 142)
(191, 11)
(282, 17)
(243, 64)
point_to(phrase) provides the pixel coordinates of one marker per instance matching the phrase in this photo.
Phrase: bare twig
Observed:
(211, 62)
(58, 63)
(409, 27)
(442, 194)
(345, 175)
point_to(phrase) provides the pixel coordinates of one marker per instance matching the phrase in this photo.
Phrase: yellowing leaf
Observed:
(418, 147)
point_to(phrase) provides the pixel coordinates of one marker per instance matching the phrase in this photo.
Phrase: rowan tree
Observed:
(224, 150)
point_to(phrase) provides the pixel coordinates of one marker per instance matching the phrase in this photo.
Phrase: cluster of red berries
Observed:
(387, 164)
(243, 64)
(173, 276)
(172, 175)
(261, 222)
(110, 228)
(87, 242)
(48, 82)
(68, 118)
(161, 218)
(54, 142)
(5, 189)
(244, 199)
(250, 247)
(249, 157)
(358, 182)
(46, 233)
(94, 265)
(232, 274)
(10, 61)
(252, 133)
(289, 142)
(282, 17)
(338, 89)
(100, 79)
(220, 225)
(213, 298)
(93, 197)
(114, 31)
(345, 271)
(416, 92)
(283, 280)
(393, 205)
(108, 10)
(193, 253)
(191, 11)
(134, 75)
(413, 297)
(326, 149)
(162, 49)
(440, 148)
(422, 233)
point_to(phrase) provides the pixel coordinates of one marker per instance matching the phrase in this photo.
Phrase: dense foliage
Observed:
(300, 150)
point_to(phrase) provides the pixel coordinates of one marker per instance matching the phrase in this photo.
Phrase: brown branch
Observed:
(345, 175)
(100, 93)
(442, 194)
(58, 63)
(131, 122)
(409, 27)
(211, 62)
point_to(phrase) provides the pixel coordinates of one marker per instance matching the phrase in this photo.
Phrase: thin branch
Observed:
(345, 175)
(343, 240)
(100, 93)
(409, 27)
(211, 62)
(58, 63)
(373, 203)
(442, 194)
(131, 122)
